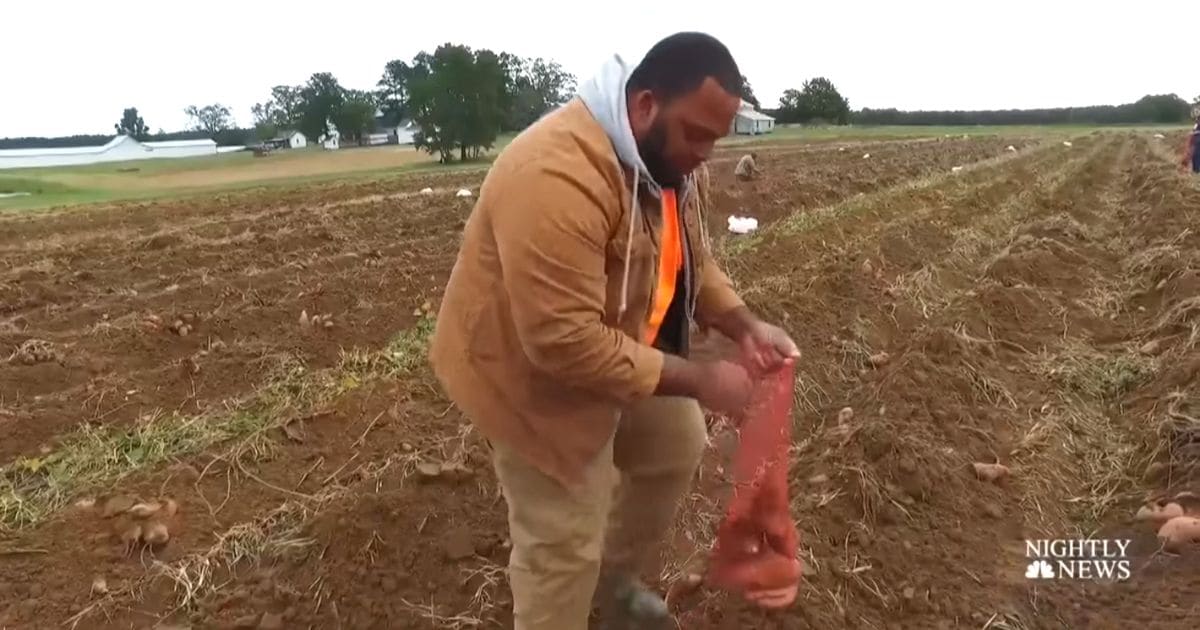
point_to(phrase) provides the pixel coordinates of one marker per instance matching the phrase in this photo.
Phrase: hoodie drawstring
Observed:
(633, 215)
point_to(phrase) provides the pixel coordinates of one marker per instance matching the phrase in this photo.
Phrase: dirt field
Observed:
(1037, 308)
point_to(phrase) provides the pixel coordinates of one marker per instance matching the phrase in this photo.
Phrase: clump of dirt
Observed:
(1060, 227)
(316, 322)
(137, 523)
(162, 241)
(34, 351)
(1039, 262)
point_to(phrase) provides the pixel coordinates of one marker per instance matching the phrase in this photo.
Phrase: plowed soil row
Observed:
(103, 289)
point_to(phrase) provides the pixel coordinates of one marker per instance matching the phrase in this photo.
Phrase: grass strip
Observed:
(33, 488)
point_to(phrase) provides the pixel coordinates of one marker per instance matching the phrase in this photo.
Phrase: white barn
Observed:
(393, 134)
(405, 133)
(119, 149)
(749, 121)
(288, 140)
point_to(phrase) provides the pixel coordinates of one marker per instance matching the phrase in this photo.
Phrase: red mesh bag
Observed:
(756, 544)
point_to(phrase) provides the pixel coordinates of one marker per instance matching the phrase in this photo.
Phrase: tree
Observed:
(265, 131)
(320, 100)
(132, 125)
(233, 136)
(264, 113)
(789, 106)
(818, 100)
(211, 119)
(458, 99)
(392, 91)
(748, 93)
(490, 99)
(282, 110)
(1162, 108)
(535, 86)
(355, 118)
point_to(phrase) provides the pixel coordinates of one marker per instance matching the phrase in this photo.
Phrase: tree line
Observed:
(132, 124)
(459, 99)
(1157, 108)
(819, 102)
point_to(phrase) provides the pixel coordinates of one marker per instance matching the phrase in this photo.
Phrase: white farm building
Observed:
(288, 139)
(119, 149)
(750, 121)
(403, 133)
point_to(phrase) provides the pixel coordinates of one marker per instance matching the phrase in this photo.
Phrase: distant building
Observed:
(749, 121)
(330, 140)
(406, 132)
(288, 139)
(392, 134)
(119, 149)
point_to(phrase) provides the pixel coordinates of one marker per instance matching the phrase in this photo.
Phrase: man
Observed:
(747, 167)
(563, 333)
(1191, 154)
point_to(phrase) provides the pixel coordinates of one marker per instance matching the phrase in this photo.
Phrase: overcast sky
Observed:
(71, 67)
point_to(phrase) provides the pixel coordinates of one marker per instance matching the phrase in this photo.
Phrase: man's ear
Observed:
(643, 109)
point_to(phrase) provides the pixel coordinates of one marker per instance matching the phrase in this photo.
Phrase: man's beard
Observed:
(652, 148)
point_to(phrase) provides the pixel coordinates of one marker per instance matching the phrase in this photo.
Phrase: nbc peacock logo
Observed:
(1039, 570)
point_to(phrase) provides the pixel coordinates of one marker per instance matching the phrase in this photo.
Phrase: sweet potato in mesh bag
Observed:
(756, 544)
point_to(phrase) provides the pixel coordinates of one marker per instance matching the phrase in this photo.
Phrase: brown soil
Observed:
(1013, 300)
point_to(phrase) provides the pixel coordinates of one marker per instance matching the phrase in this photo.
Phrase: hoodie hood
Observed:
(604, 96)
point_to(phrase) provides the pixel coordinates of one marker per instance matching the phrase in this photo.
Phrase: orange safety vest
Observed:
(670, 261)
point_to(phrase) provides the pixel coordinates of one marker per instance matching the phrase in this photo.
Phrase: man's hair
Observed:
(680, 63)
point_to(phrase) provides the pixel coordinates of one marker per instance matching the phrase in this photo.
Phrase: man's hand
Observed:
(767, 347)
(719, 386)
(724, 387)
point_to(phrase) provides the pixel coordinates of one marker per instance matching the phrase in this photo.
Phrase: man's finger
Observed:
(787, 348)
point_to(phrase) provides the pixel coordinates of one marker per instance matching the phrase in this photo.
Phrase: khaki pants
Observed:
(559, 535)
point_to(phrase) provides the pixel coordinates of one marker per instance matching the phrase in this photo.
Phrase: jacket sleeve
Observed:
(715, 294)
(551, 234)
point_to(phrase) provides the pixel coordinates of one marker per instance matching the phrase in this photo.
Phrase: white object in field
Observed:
(426, 191)
(966, 137)
(866, 156)
(742, 225)
(1159, 136)
(956, 169)
(1067, 143)
(841, 148)
(463, 193)
(1011, 149)
(14, 194)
